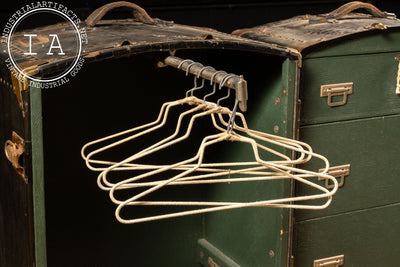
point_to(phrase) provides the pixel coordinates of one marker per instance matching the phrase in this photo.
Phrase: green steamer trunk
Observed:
(59, 217)
(349, 112)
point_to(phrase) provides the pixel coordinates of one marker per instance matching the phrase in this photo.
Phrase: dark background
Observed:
(219, 14)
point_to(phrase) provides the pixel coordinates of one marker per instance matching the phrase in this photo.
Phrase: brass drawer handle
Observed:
(398, 76)
(337, 89)
(334, 261)
(13, 150)
(338, 172)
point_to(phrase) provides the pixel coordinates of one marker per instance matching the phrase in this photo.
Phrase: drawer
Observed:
(371, 147)
(374, 87)
(367, 238)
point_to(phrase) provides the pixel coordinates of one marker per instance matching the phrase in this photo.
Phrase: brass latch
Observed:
(337, 172)
(398, 76)
(334, 261)
(13, 150)
(211, 262)
(337, 89)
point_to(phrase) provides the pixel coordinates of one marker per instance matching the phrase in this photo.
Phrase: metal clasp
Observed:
(14, 149)
(337, 172)
(337, 89)
(334, 261)
(211, 262)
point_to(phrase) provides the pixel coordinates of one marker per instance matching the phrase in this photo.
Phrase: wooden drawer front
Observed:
(374, 87)
(367, 238)
(371, 147)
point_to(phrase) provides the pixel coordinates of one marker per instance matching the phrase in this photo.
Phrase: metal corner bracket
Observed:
(296, 53)
(21, 83)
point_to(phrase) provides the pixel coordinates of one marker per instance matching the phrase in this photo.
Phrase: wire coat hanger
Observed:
(195, 170)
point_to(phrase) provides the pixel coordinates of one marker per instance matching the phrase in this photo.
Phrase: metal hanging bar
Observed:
(236, 82)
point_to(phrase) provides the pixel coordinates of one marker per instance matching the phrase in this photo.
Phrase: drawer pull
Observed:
(337, 89)
(337, 172)
(334, 261)
(398, 76)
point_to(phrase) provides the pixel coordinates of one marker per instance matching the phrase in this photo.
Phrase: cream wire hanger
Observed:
(165, 108)
(145, 129)
(247, 171)
(221, 172)
(221, 205)
(209, 140)
(220, 164)
(152, 150)
(121, 166)
(282, 168)
(227, 205)
(157, 124)
(133, 166)
(167, 142)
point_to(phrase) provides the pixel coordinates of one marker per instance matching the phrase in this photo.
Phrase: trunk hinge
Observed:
(21, 83)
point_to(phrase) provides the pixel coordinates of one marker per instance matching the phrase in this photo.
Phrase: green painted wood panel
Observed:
(257, 236)
(374, 78)
(371, 147)
(38, 177)
(362, 43)
(367, 238)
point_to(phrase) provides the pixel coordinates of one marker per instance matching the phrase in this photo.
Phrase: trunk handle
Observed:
(139, 13)
(351, 6)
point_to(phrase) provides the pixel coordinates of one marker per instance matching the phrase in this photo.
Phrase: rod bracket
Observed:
(237, 82)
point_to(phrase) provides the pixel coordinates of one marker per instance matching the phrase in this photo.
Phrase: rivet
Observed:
(271, 253)
(276, 129)
(277, 101)
(284, 92)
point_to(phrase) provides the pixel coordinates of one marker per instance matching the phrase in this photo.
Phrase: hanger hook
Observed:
(183, 61)
(195, 78)
(224, 80)
(231, 121)
(190, 65)
(202, 83)
(215, 84)
(215, 73)
(203, 69)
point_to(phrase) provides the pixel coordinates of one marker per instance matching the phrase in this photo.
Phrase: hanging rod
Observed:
(236, 82)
